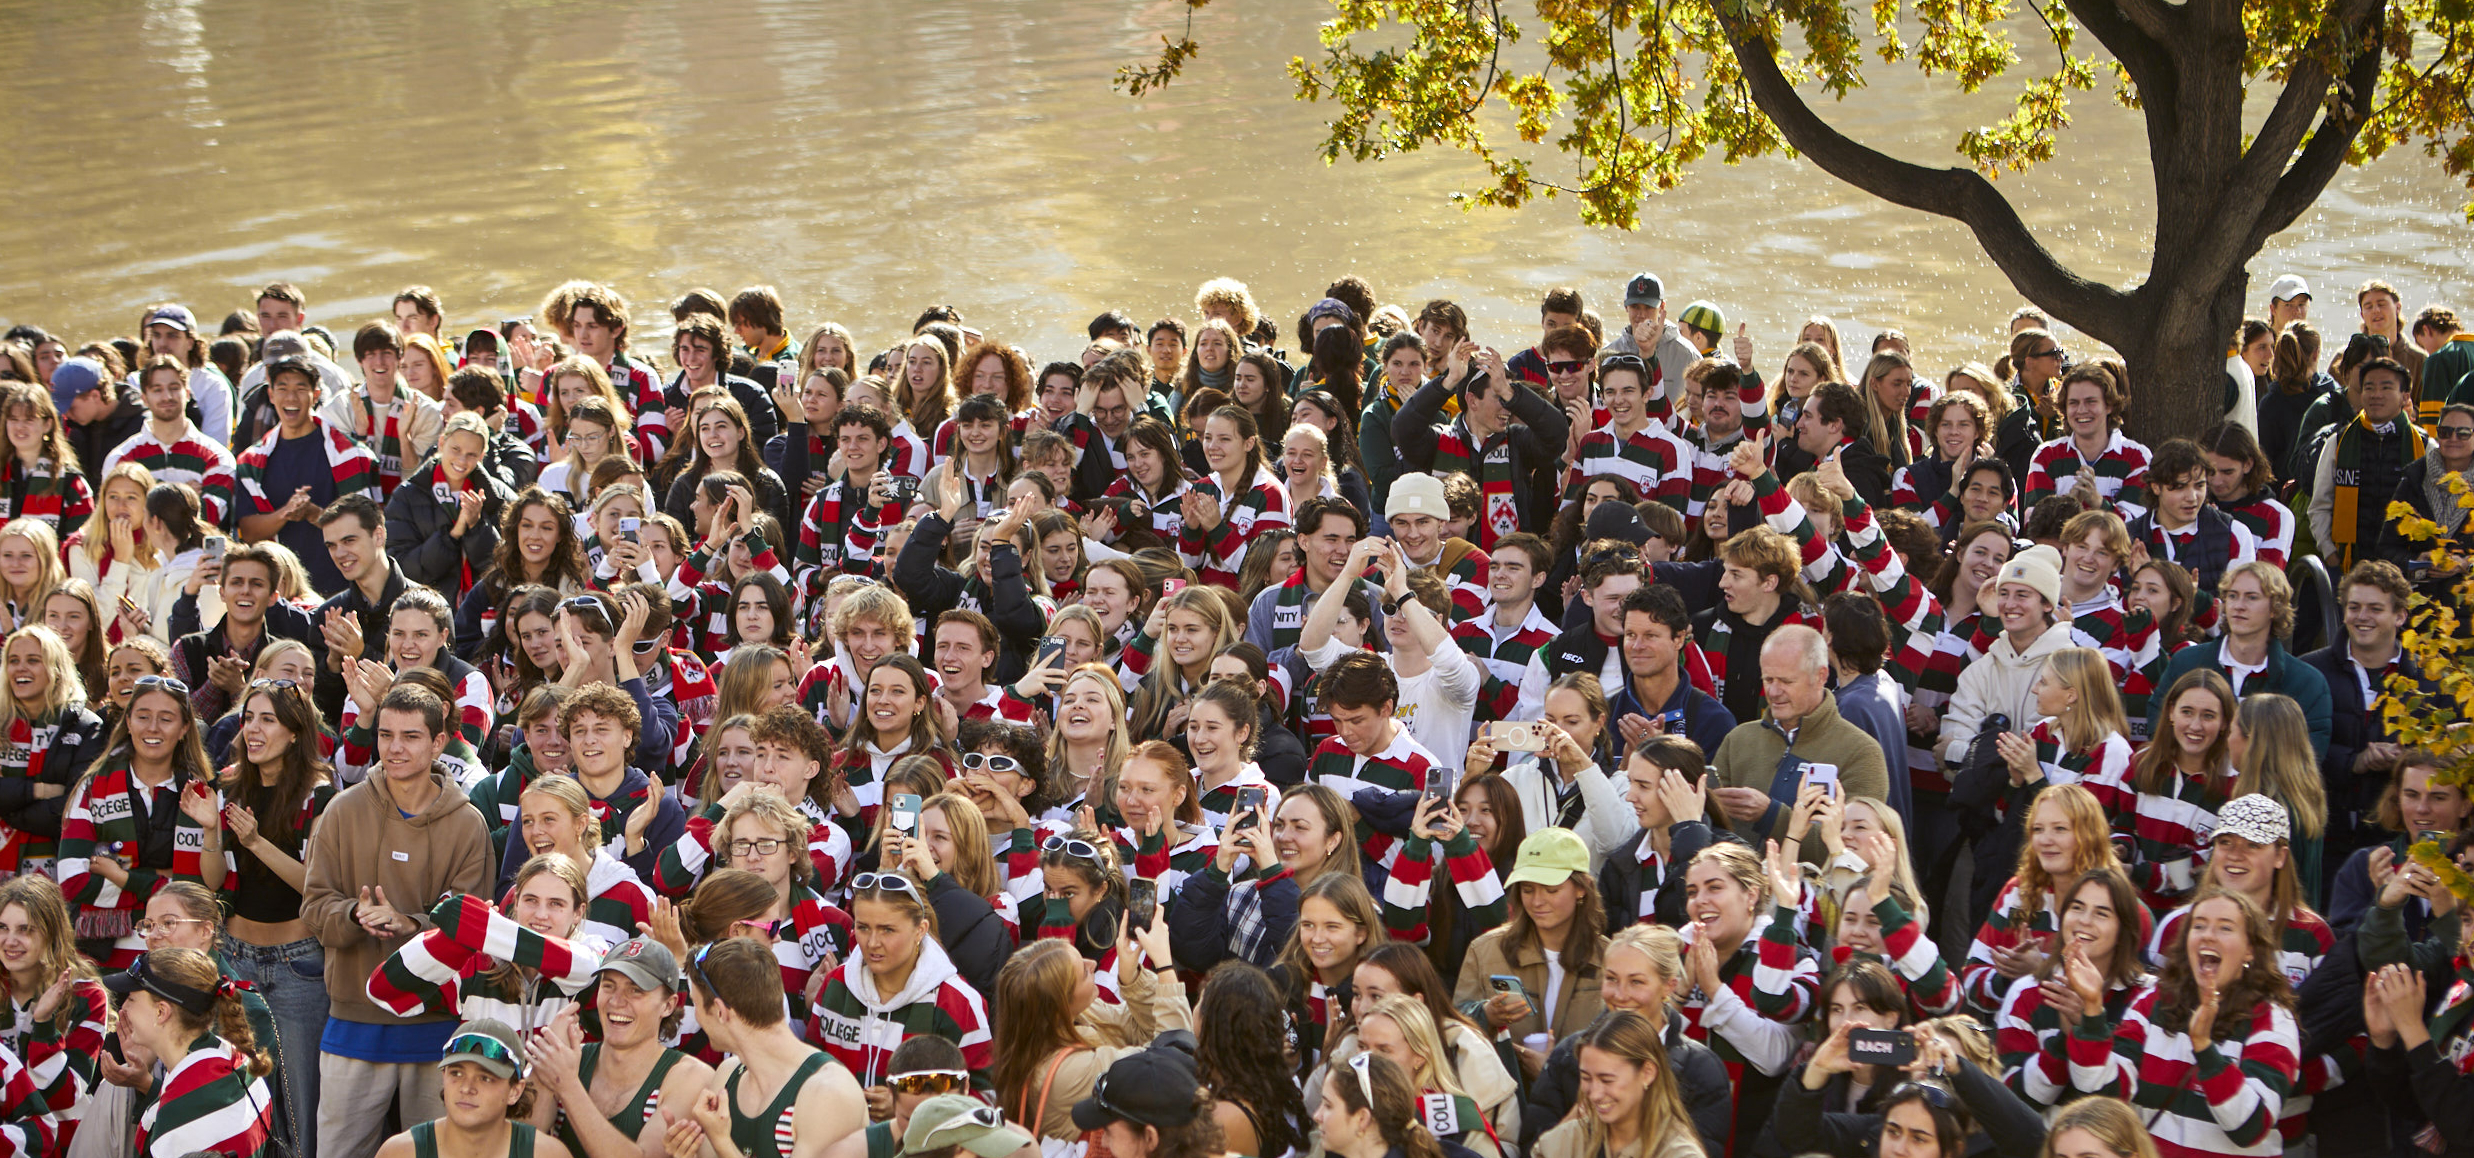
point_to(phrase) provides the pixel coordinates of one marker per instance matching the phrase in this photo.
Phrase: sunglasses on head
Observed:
(162, 681)
(1939, 1096)
(264, 684)
(586, 604)
(1081, 849)
(930, 1082)
(483, 1045)
(884, 882)
(984, 762)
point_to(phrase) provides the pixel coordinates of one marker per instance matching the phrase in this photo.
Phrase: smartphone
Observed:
(213, 550)
(1825, 775)
(628, 529)
(1142, 901)
(902, 491)
(1519, 736)
(1249, 807)
(1439, 783)
(1881, 1047)
(905, 814)
(1050, 647)
(1507, 983)
(1170, 587)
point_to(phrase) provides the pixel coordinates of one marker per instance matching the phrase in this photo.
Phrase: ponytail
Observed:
(1394, 1102)
(232, 1025)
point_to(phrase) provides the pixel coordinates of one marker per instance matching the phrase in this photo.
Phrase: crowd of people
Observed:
(587, 736)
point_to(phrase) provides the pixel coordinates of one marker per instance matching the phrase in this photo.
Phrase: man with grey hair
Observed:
(1799, 745)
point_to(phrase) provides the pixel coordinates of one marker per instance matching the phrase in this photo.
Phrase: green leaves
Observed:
(1614, 100)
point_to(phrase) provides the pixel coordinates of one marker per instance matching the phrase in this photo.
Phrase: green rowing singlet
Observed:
(519, 1142)
(630, 1118)
(766, 1134)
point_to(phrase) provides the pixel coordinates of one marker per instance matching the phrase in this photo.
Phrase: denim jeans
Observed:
(292, 978)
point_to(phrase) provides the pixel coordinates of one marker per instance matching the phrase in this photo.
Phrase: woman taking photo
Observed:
(2221, 1003)
(1634, 1106)
(51, 737)
(1248, 913)
(274, 792)
(1556, 919)
(2067, 838)
(2182, 778)
(897, 983)
(978, 921)
(537, 546)
(1237, 500)
(1054, 1039)
(2101, 918)
(123, 833)
(1221, 725)
(1938, 1116)
(56, 1007)
(177, 1010)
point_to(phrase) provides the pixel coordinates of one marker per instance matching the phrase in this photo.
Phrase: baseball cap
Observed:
(1549, 856)
(486, 1042)
(76, 376)
(1331, 308)
(295, 364)
(1702, 315)
(1416, 494)
(283, 344)
(646, 962)
(176, 316)
(2255, 818)
(2287, 288)
(1644, 290)
(1616, 520)
(961, 1120)
(1152, 1088)
(199, 1002)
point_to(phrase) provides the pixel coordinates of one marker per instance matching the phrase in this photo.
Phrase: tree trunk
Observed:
(2174, 336)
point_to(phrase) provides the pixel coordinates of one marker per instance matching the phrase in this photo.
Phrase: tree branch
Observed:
(1959, 194)
(2324, 155)
(2141, 49)
(2161, 23)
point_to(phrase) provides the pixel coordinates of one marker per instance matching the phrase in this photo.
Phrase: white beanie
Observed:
(2039, 567)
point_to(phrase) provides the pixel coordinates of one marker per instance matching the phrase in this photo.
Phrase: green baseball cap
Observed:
(1549, 856)
(960, 1120)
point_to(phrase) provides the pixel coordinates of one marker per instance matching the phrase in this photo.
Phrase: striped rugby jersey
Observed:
(2271, 524)
(59, 1052)
(355, 468)
(701, 601)
(447, 968)
(2168, 834)
(63, 501)
(1216, 554)
(1399, 767)
(1504, 653)
(209, 1102)
(861, 1028)
(1653, 459)
(2221, 1101)
(192, 458)
(1775, 977)
(1914, 961)
(2121, 473)
(2027, 1034)
(1408, 892)
(838, 535)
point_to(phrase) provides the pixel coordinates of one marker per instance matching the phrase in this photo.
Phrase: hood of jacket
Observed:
(932, 971)
(449, 800)
(2054, 639)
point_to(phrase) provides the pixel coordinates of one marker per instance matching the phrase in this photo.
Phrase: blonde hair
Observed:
(2112, 1121)
(94, 544)
(46, 544)
(1435, 1070)
(769, 806)
(2277, 762)
(1103, 785)
(2096, 713)
(1665, 949)
(974, 865)
(67, 686)
(569, 791)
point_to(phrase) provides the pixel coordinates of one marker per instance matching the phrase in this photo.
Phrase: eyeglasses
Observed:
(765, 847)
(1082, 849)
(1568, 367)
(165, 927)
(884, 883)
(159, 681)
(483, 1045)
(930, 1082)
(980, 762)
(2457, 432)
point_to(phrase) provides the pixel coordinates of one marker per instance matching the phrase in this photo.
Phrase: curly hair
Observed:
(1240, 1029)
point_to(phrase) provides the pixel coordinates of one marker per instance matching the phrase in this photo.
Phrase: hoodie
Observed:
(861, 1027)
(2004, 681)
(365, 840)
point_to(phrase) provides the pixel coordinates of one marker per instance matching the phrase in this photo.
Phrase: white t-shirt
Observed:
(1554, 986)
(1436, 705)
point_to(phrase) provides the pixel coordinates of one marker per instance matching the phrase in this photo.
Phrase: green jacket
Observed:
(1752, 756)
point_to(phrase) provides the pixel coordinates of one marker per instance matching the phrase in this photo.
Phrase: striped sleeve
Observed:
(28, 1126)
(209, 1105)
(1931, 988)
(61, 1050)
(1785, 977)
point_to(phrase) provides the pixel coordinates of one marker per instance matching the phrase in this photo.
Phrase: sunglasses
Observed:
(2055, 352)
(981, 1117)
(279, 685)
(1081, 849)
(885, 883)
(161, 681)
(930, 1082)
(483, 1045)
(978, 762)
(2457, 432)
(1566, 367)
(586, 604)
(1939, 1096)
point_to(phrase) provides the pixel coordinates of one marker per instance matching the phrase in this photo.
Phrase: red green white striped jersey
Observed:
(1400, 767)
(355, 468)
(60, 1051)
(64, 501)
(2219, 1101)
(1653, 459)
(446, 969)
(1772, 975)
(209, 1102)
(102, 817)
(2168, 834)
(2271, 524)
(1215, 554)
(2027, 1035)
(1408, 893)
(1914, 961)
(1504, 653)
(2304, 943)
(28, 1127)
(192, 458)
(861, 1028)
(2121, 473)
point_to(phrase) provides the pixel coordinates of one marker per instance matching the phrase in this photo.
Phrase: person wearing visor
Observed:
(599, 1097)
(488, 1096)
(1150, 1105)
(175, 1007)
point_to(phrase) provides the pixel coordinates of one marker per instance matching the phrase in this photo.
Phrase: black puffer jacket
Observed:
(418, 522)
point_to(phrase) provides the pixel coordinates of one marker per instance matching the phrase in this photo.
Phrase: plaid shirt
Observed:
(192, 458)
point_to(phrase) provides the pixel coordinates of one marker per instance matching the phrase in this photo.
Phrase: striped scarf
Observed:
(1489, 461)
(103, 816)
(29, 744)
(385, 440)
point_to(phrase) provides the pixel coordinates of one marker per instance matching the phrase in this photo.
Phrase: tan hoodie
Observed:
(363, 839)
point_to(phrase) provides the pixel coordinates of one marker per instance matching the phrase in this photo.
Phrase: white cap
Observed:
(2287, 288)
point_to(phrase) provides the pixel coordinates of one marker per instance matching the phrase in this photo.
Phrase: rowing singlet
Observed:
(768, 1133)
(631, 1117)
(519, 1141)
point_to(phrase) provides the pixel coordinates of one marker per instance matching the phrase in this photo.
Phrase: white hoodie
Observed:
(2003, 681)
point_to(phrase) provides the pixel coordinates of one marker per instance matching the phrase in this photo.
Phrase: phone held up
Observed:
(1142, 901)
(1249, 808)
(1519, 736)
(905, 819)
(1880, 1047)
